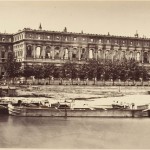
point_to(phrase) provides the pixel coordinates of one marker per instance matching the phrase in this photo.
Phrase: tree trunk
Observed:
(94, 82)
(49, 80)
(13, 80)
(113, 82)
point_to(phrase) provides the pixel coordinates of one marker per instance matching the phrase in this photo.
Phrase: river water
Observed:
(74, 133)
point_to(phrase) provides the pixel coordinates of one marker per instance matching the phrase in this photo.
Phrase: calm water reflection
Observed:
(31, 132)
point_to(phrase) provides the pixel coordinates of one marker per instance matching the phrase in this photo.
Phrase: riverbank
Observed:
(81, 91)
(93, 95)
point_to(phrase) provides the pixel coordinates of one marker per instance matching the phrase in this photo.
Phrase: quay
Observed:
(99, 97)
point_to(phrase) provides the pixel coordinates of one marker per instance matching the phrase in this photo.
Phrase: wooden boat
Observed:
(66, 110)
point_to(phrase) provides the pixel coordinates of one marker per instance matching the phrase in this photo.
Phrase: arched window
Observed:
(138, 56)
(123, 55)
(115, 57)
(106, 55)
(48, 52)
(29, 51)
(99, 54)
(131, 55)
(56, 56)
(82, 53)
(145, 59)
(66, 53)
(74, 53)
(38, 52)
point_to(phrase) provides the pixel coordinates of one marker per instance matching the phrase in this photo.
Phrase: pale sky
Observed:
(97, 17)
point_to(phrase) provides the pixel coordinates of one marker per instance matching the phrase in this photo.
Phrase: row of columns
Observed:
(90, 52)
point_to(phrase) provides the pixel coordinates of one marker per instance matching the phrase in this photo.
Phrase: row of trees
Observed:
(92, 70)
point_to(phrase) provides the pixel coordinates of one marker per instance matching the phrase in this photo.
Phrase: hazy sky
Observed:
(118, 18)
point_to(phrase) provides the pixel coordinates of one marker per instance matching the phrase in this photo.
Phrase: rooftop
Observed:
(81, 33)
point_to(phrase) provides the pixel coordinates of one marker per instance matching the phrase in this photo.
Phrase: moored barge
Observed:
(65, 110)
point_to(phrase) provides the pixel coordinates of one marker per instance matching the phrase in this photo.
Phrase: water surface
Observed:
(46, 132)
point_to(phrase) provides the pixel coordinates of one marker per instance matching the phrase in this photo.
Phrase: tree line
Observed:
(104, 70)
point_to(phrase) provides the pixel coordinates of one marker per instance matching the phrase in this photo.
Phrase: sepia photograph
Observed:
(74, 74)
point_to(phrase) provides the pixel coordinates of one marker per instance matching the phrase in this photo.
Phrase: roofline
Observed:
(78, 34)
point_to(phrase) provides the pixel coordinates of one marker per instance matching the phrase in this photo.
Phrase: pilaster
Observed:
(53, 52)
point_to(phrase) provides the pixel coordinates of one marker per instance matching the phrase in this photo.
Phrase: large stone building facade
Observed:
(6, 47)
(40, 46)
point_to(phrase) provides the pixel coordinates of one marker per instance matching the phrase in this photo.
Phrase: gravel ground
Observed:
(89, 95)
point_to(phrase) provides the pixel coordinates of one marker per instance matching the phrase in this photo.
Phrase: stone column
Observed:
(87, 53)
(148, 56)
(6, 54)
(142, 52)
(108, 47)
(62, 52)
(124, 49)
(70, 52)
(34, 51)
(79, 53)
(43, 51)
(53, 52)
(139, 50)
(96, 53)
(135, 55)
(112, 55)
(25, 51)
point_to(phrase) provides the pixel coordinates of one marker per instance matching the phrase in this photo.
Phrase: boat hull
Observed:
(52, 112)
